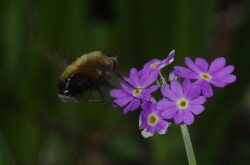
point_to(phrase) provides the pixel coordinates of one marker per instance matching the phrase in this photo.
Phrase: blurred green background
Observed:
(36, 128)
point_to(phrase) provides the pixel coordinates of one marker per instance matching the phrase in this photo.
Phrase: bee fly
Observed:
(86, 73)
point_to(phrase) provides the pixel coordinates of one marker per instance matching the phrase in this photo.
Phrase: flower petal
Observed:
(168, 93)
(192, 65)
(133, 105)
(178, 119)
(161, 127)
(176, 88)
(146, 93)
(151, 129)
(196, 109)
(147, 69)
(152, 89)
(167, 60)
(173, 77)
(185, 73)
(171, 55)
(198, 100)
(147, 107)
(206, 88)
(146, 133)
(225, 71)
(148, 79)
(169, 112)
(145, 96)
(188, 117)
(164, 104)
(118, 93)
(228, 78)
(218, 83)
(202, 64)
(186, 87)
(127, 86)
(134, 77)
(217, 64)
(123, 101)
(140, 121)
(194, 92)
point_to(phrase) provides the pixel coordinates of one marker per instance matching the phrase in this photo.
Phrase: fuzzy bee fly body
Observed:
(86, 73)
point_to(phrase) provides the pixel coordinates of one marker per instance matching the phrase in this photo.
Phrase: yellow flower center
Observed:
(153, 65)
(183, 103)
(205, 76)
(137, 92)
(153, 119)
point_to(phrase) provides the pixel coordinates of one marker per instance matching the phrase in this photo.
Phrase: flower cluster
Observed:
(183, 95)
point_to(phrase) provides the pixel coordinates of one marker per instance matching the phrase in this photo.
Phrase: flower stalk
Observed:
(163, 81)
(185, 133)
(188, 145)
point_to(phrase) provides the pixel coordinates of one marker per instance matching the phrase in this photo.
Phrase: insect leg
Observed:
(97, 100)
(92, 100)
(102, 97)
(100, 92)
(90, 92)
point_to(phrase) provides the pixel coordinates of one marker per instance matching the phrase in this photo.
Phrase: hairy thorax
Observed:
(94, 66)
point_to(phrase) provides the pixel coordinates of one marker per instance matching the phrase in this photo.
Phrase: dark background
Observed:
(36, 128)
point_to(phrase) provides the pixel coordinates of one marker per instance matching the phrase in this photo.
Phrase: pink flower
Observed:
(181, 103)
(216, 74)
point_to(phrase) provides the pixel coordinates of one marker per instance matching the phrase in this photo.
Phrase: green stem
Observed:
(163, 80)
(188, 145)
(184, 130)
